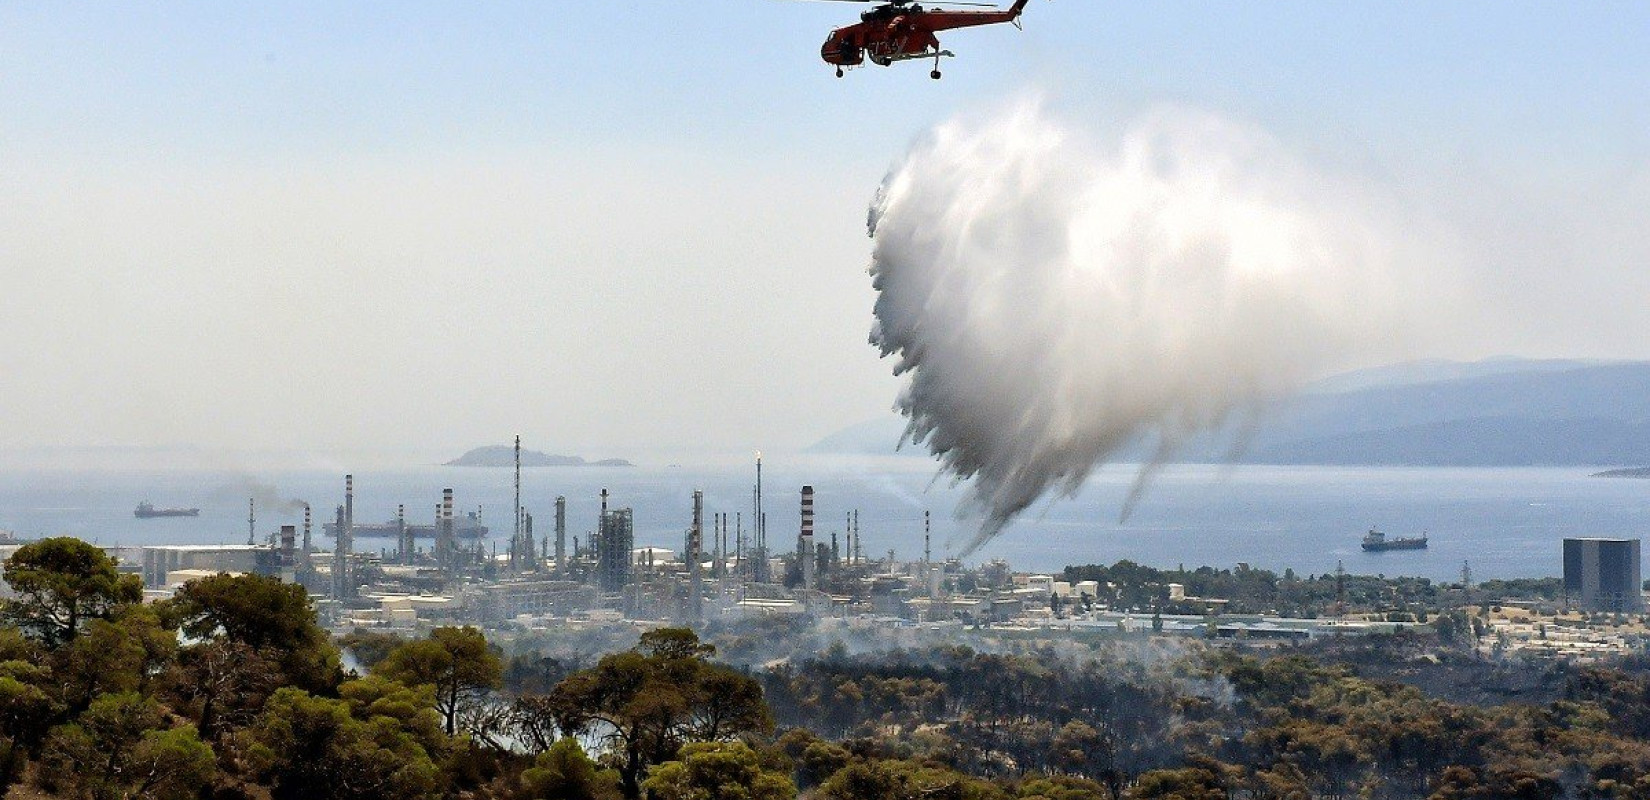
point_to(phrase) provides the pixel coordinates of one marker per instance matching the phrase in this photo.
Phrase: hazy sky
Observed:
(622, 227)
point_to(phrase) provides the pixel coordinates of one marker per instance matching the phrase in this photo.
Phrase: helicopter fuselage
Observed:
(899, 33)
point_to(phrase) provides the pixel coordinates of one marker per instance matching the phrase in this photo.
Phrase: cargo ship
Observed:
(467, 526)
(1375, 542)
(147, 511)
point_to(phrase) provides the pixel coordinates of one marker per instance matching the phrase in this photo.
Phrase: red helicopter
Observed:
(901, 30)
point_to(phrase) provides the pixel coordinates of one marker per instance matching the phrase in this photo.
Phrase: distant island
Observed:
(504, 455)
(1630, 472)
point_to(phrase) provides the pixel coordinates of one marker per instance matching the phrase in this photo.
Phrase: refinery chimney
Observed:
(403, 542)
(444, 533)
(858, 538)
(760, 529)
(930, 575)
(308, 562)
(805, 549)
(533, 562)
(561, 537)
(339, 563)
(347, 532)
(695, 555)
(516, 553)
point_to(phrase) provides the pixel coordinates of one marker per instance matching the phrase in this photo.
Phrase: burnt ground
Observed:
(1452, 674)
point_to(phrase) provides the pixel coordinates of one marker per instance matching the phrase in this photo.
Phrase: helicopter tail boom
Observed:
(951, 20)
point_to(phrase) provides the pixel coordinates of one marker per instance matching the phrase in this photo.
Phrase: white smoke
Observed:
(1056, 296)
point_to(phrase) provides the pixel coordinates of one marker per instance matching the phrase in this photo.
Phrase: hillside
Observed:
(1630, 472)
(1502, 412)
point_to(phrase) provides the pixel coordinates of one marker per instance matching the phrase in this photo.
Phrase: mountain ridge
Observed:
(1498, 412)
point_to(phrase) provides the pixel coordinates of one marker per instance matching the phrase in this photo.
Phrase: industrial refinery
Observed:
(446, 568)
(573, 573)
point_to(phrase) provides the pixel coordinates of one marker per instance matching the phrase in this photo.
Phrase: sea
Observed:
(1502, 523)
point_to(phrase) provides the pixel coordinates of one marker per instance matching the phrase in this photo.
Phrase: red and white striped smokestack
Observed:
(348, 533)
(807, 551)
(807, 511)
(444, 544)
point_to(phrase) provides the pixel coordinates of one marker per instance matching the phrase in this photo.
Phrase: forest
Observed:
(231, 689)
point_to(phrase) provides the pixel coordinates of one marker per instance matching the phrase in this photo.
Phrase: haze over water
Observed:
(1506, 522)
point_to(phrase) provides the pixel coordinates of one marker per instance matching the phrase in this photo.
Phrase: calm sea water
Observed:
(1505, 522)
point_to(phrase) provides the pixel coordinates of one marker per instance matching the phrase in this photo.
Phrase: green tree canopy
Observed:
(119, 748)
(28, 698)
(904, 780)
(645, 703)
(26, 709)
(267, 615)
(369, 647)
(457, 662)
(119, 654)
(813, 758)
(565, 772)
(315, 748)
(1178, 784)
(1061, 787)
(221, 684)
(410, 707)
(170, 764)
(62, 582)
(717, 771)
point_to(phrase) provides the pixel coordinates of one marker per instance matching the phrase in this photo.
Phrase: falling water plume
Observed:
(1055, 297)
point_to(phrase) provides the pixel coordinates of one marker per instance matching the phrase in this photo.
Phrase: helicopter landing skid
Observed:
(934, 54)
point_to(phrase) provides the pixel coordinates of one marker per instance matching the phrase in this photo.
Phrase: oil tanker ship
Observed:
(467, 526)
(146, 510)
(1375, 542)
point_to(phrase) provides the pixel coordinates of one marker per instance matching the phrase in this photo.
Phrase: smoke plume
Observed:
(265, 495)
(1055, 296)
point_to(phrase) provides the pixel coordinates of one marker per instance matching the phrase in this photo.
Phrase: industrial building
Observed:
(1603, 574)
(613, 549)
(160, 562)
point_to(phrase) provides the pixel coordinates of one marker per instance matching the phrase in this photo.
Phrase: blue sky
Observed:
(743, 75)
(220, 193)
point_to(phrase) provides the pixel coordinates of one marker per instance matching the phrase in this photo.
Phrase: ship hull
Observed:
(167, 512)
(1396, 544)
(382, 531)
